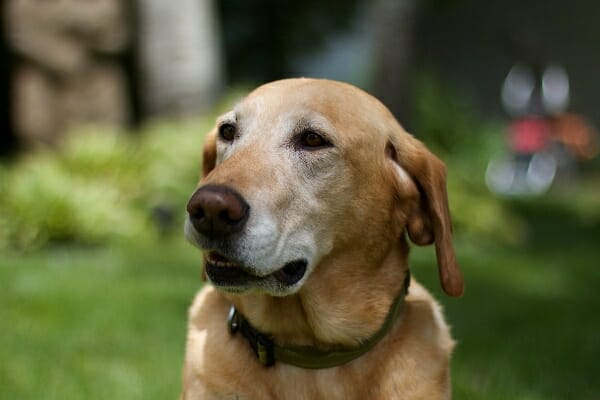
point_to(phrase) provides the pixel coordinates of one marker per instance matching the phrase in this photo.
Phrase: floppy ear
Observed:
(430, 221)
(209, 154)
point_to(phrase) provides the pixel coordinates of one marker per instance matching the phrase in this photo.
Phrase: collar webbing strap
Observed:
(268, 351)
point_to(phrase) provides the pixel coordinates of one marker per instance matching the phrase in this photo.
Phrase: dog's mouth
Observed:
(225, 272)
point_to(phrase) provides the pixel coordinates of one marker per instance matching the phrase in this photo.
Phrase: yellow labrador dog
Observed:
(308, 189)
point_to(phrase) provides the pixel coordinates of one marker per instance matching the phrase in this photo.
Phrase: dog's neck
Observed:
(342, 303)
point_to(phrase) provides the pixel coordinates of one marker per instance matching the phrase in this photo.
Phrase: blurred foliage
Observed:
(448, 121)
(101, 184)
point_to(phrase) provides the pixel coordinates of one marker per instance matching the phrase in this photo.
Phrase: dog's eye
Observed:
(313, 140)
(227, 132)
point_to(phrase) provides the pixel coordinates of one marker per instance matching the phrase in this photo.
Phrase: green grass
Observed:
(109, 322)
(100, 323)
(528, 326)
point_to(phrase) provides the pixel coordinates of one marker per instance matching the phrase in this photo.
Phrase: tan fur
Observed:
(354, 202)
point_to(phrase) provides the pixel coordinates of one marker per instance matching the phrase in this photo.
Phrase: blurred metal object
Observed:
(517, 89)
(555, 89)
(510, 176)
(530, 166)
(544, 141)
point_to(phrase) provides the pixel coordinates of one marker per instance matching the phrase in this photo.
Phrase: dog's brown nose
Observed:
(217, 211)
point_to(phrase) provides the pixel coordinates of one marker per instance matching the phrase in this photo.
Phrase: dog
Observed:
(309, 188)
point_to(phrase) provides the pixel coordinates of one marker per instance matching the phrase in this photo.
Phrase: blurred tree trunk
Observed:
(180, 56)
(66, 69)
(395, 22)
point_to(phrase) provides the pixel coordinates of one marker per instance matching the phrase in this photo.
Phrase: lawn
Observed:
(109, 322)
(95, 323)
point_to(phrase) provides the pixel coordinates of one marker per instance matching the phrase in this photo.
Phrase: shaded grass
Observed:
(99, 323)
(528, 325)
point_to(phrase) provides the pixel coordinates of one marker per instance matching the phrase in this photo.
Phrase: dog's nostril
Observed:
(225, 216)
(198, 213)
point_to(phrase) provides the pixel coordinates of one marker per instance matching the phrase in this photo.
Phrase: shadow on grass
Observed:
(553, 225)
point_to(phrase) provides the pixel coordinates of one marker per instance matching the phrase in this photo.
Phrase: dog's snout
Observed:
(217, 211)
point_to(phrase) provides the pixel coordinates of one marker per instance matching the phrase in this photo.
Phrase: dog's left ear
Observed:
(209, 153)
(430, 220)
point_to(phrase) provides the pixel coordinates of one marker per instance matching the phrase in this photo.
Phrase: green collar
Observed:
(268, 351)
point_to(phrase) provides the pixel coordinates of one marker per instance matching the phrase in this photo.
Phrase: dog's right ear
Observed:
(209, 155)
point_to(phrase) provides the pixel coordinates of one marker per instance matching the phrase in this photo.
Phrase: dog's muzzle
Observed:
(219, 215)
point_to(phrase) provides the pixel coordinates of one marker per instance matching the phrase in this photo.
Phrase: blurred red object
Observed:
(528, 135)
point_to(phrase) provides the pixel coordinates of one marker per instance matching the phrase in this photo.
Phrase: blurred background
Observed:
(103, 109)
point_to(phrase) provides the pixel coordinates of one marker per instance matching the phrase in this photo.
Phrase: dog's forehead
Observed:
(323, 102)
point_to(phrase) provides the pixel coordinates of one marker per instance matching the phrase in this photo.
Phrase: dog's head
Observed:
(302, 169)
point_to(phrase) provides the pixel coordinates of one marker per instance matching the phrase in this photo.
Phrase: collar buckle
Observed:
(233, 320)
(262, 345)
(265, 350)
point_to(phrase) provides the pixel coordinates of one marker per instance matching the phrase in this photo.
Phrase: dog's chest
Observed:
(407, 364)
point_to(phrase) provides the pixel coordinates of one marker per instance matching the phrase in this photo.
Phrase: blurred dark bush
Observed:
(100, 185)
